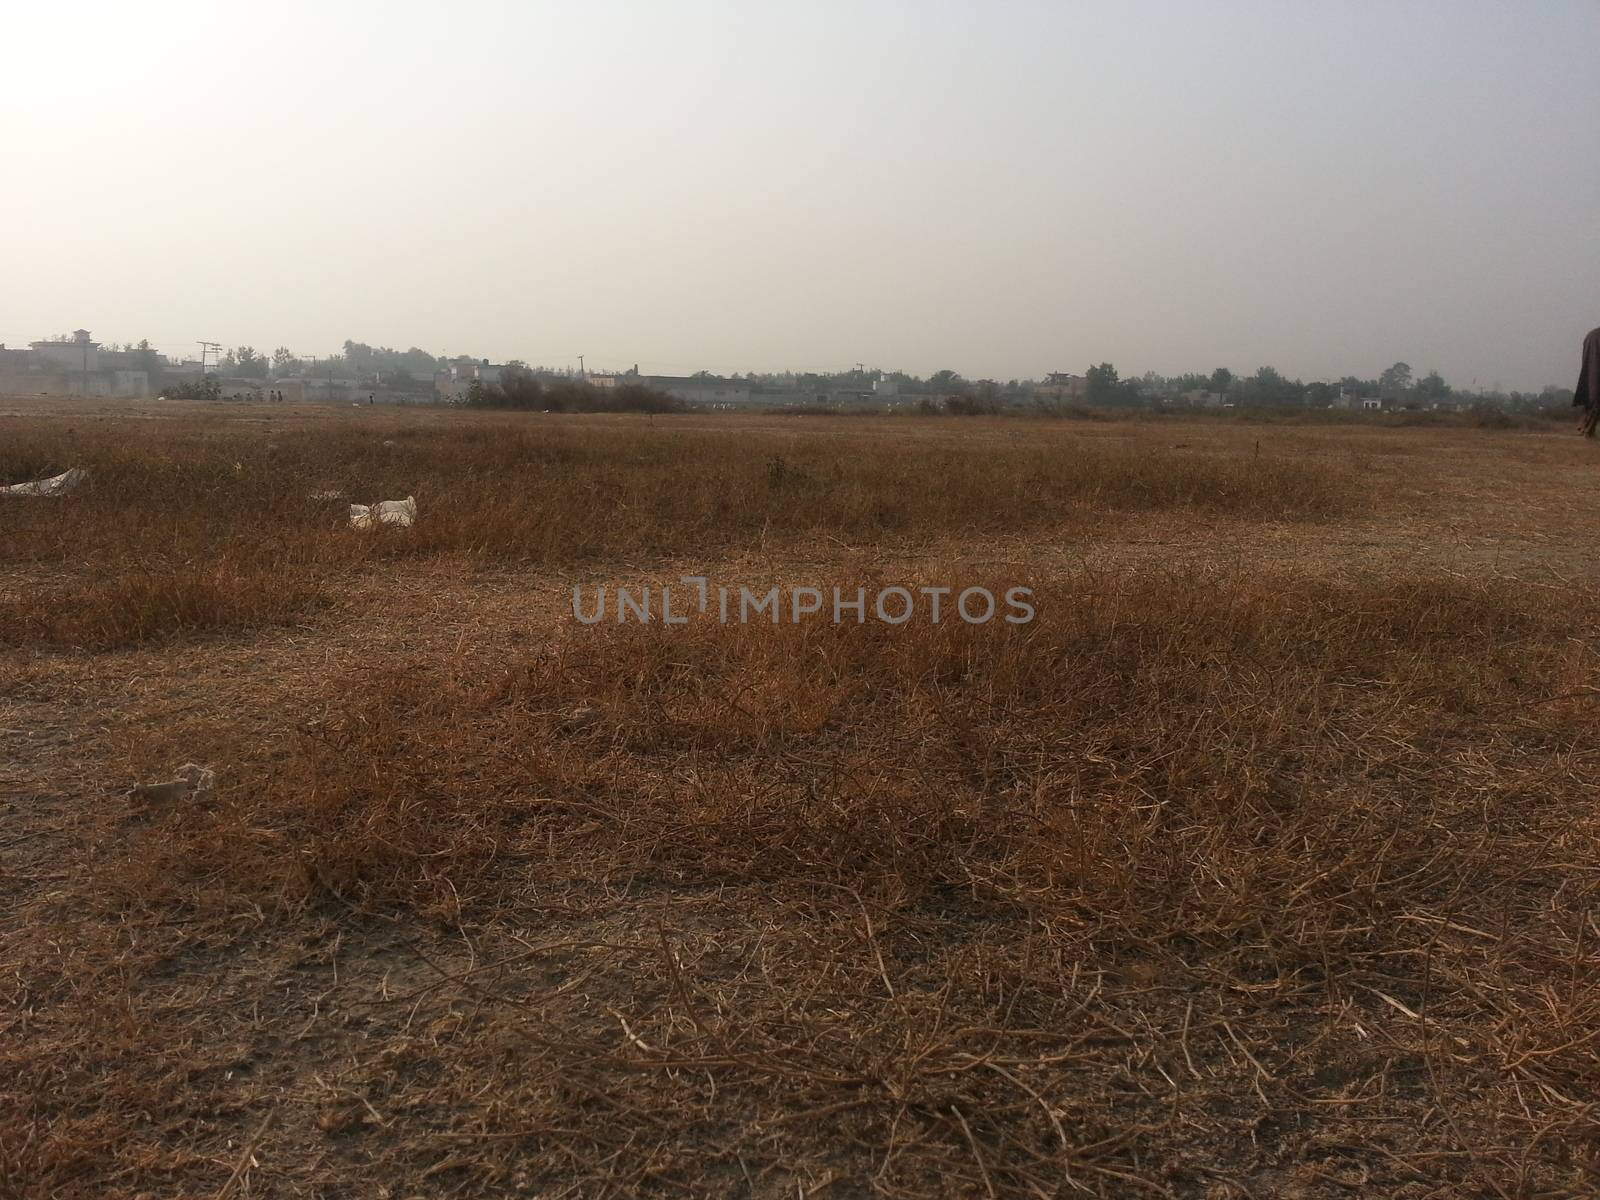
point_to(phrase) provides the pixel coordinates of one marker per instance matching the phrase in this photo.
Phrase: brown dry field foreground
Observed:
(1263, 863)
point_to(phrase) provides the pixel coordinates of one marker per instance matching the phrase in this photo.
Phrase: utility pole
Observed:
(214, 349)
(582, 374)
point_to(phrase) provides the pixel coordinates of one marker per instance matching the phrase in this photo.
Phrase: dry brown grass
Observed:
(124, 604)
(1224, 880)
(219, 509)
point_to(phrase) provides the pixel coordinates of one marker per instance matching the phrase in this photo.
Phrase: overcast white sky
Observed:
(999, 188)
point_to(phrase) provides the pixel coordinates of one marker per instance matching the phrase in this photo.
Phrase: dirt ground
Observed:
(528, 1048)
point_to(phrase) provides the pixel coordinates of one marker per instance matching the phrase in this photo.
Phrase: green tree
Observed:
(147, 360)
(1269, 386)
(1395, 382)
(358, 355)
(1221, 381)
(1432, 387)
(1101, 385)
(246, 362)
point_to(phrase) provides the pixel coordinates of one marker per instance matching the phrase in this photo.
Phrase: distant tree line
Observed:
(521, 389)
(947, 390)
(942, 391)
(1267, 387)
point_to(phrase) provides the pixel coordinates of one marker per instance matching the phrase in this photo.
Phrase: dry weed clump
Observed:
(1197, 878)
(1169, 721)
(143, 602)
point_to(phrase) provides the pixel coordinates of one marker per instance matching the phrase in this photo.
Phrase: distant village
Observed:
(76, 365)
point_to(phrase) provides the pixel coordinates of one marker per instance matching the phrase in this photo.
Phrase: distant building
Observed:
(80, 354)
(72, 366)
(313, 389)
(1347, 400)
(1059, 385)
(777, 396)
(454, 382)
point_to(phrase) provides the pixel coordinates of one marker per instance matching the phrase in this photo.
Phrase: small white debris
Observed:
(386, 512)
(56, 485)
(581, 717)
(326, 494)
(191, 779)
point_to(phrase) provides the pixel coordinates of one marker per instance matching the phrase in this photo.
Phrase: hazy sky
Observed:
(1000, 188)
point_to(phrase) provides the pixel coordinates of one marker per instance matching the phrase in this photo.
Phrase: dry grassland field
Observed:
(1262, 863)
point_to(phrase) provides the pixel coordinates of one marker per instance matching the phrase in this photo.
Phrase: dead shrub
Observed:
(143, 602)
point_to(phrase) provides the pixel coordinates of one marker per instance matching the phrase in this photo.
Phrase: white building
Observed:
(81, 354)
(1062, 385)
(455, 381)
(72, 366)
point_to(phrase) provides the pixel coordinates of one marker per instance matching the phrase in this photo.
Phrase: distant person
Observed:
(1587, 396)
(369, 397)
